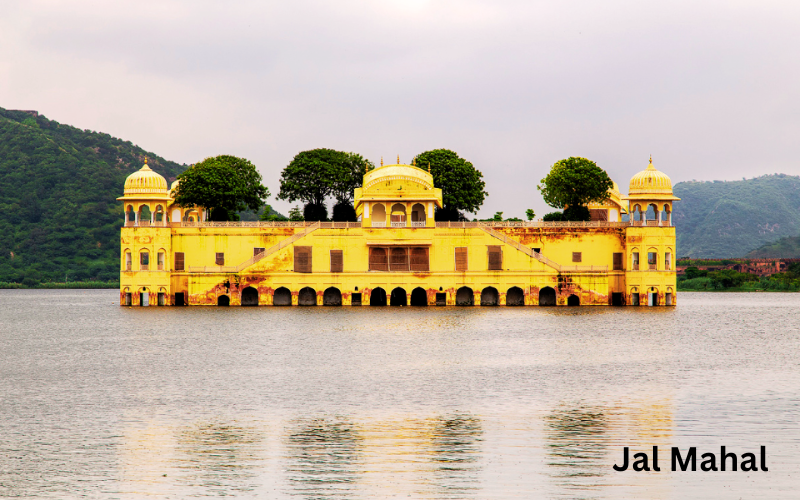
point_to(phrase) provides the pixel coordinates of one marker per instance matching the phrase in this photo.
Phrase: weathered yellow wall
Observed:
(596, 244)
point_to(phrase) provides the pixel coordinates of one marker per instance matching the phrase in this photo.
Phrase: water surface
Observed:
(99, 401)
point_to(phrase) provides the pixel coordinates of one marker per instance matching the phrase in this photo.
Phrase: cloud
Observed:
(708, 88)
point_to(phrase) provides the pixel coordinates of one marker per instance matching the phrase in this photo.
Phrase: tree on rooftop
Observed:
(575, 182)
(461, 183)
(224, 185)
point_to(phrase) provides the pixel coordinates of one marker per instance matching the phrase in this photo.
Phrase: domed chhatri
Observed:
(397, 196)
(650, 184)
(145, 181)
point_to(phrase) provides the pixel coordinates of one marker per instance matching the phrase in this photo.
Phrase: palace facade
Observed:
(397, 254)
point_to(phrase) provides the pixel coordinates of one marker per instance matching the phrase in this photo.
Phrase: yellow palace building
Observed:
(397, 254)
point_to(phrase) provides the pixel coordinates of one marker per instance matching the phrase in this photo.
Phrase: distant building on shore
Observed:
(397, 254)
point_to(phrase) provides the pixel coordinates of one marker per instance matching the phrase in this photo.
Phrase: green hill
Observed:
(58, 212)
(784, 248)
(731, 218)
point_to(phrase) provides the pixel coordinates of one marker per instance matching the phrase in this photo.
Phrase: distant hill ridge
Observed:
(726, 219)
(58, 187)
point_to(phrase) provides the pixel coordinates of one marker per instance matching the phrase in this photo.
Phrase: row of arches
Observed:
(465, 296)
(398, 214)
(142, 215)
(661, 217)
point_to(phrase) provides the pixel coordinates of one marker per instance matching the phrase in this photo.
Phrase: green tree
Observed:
(461, 183)
(269, 214)
(575, 182)
(296, 214)
(224, 185)
(530, 214)
(352, 169)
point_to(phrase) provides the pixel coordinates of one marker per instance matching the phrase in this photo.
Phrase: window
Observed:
(220, 259)
(128, 298)
(419, 260)
(617, 262)
(577, 257)
(537, 250)
(461, 258)
(667, 261)
(179, 261)
(257, 250)
(144, 261)
(378, 259)
(635, 261)
(337, 261)
(160, 261)
(495, 258)
(652, 260)
(128, 261)
(160, 298)
(302, 259)
(399, 259)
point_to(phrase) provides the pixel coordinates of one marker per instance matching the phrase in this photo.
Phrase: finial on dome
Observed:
(429, 167)
(414, 162)
(651, 167)
(381, 161)
(398, 159)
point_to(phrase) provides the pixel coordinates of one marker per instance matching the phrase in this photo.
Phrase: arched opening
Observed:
(418, 215)
(489, 296)
(128, 265)
(634, 296)
(128, 298)
(515, 296)
(307, 297)
(666, 216)
(637, 213)
(398, 215)
(145, 215)
(378, 215)
(176, 215)
(144, 297)
(130, 215)
(282, 297)
(652, 212)
(144, 260)
(332, 297)
(223, 301)
(158, 215)
(191, 216)
(547, 296)
(398, 297)
(652, 297)
(377, 297)
(419, 297)
(573, 300)
(249, 296)
(465, 297)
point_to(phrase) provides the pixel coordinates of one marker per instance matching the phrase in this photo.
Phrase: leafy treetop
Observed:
(224, 185)
(575, 182)
(461, 183)
(314, 175)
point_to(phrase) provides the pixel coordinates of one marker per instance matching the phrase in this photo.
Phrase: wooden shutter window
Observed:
(179, 261)
(399, 261)
(257, 250)
(420, 260)
(461, 258)
(337, 261)
(577, 257)
(220, 259)
(302, 259)
(617, 262)
(495, 258)
(378, 260)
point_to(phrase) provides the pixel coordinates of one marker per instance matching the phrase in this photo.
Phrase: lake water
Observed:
(99, 401)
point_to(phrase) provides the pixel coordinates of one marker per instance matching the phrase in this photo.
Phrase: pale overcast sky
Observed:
(709, 88)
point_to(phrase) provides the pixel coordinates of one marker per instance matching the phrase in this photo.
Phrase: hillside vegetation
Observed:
(731, 218)
(59, 218)
(784, 248)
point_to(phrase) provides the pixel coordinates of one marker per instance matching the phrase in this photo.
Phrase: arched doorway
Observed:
(464, 296)
(573, 300)
(282, 297)
(249, 296)
(515, 296)
(378, 215)
(307, 297)
(332, 297)
(399, 297)
(419, 297)
(223, 301)
(377, 297)
(547, 296)
(489, 296)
